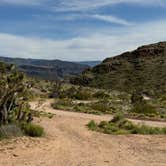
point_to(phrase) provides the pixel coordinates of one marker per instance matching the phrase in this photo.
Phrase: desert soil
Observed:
(68, 142)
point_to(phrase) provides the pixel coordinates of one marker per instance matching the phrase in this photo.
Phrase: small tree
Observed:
(57, 88)
(136, 97)
(13, 89)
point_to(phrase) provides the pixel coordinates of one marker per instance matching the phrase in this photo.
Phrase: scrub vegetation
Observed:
(119, 125)
(14, 107)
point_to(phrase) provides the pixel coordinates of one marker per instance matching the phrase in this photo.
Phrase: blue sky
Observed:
(79, 29)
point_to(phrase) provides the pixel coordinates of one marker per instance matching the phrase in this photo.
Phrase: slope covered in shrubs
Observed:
(143, 69)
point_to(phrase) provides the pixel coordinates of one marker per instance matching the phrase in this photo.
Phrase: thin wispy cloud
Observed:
(85, 5)
(80, 5)
(95, 46)
(74, 17)
(111, 19)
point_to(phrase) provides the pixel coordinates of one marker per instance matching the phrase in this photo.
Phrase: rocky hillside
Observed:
(143, 69)
(46, 69)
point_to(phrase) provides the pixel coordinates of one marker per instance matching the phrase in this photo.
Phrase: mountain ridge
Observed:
(143, 69)
(46, 69)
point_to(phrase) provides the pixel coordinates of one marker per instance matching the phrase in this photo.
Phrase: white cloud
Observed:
(95, 46)
(82, 5)
(74, 17)
(111, 19)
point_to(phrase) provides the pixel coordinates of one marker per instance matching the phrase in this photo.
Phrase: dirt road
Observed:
(69, 143)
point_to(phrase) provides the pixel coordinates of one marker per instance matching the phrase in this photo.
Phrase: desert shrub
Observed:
(103, 124)
(146, 130)
(97, 108)
(68, 93)
(128, 125)
(42, 114)
(85, 108)
(144, 108)
(101, 95)
(82, 94)
(12, 130)
(118, 117)
(63, 102)
(110, 128)
(123, 96)
(92, 125)
(163, 98)
(120, 125)
(56, 89)
(76, 93)
(81, 107)
(136, 97)
(164, 130)
(163, 116)
(102, 106)
(32, 130)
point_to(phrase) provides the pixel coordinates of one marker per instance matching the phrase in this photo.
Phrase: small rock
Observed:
(106, 161)
(15, 155)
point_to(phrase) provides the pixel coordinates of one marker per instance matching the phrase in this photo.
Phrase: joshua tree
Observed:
(13, 106)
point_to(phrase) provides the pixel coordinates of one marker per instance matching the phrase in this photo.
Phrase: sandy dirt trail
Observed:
(69, 143)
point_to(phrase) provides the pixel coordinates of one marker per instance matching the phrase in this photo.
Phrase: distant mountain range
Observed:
(89, 63)
(143, 69)
(48, 69)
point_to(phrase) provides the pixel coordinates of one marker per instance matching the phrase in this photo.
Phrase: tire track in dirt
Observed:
(69, 143)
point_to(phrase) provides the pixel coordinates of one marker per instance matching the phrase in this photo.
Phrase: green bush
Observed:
(101, 95)
(81, 107)
(136, 98)
(146, 130)
(163, 116)
(63, 104)
(42, 114)
(117, 117)
(120, 125)
(129, 125)
(76, 93)
(32, 130)
(92, 125)
(103, 124)
(101, 106)
(163, 98)
(164, 130)
(82, 95)
(68, 93)
(12, 130)
(144, 108)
